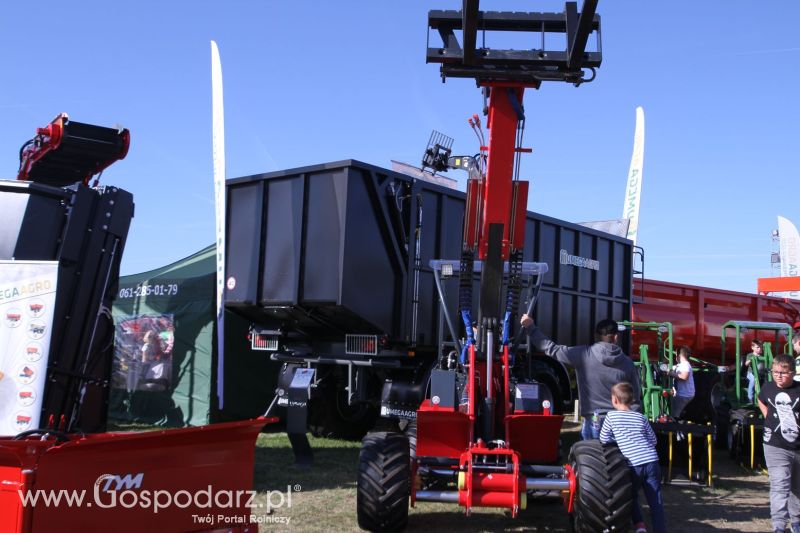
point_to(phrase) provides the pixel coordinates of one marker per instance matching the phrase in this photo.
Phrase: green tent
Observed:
(164, 369)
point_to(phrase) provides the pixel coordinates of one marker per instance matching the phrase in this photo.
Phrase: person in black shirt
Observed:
(779, 401)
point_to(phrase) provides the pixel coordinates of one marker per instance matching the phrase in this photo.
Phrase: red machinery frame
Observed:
(215, 458)
(513, 451)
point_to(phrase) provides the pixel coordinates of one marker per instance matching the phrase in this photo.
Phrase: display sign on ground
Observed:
(27, 299)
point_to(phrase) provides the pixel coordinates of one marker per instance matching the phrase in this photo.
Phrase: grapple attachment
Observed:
(65, 152)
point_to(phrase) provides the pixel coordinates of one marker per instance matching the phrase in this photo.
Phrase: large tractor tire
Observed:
(384, 482)
(603, 498)
(411, 434)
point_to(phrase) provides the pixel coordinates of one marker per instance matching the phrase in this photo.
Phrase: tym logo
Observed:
(113, 482)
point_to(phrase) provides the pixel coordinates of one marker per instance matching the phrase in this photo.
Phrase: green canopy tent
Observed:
(164, 369)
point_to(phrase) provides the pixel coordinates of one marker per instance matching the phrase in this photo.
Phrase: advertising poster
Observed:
(143, 353)
(27, 298)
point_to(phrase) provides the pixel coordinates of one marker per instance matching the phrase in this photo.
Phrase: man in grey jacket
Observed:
(598, 367)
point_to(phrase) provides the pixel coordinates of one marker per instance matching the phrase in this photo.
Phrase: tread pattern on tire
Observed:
(411, 435)
(603, 499)
(384, 476)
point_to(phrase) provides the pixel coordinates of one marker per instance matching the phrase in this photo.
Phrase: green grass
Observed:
(323, 496)
(326, 500)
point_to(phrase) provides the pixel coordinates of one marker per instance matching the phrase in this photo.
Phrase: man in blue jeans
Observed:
(598, 367)
(637, 442)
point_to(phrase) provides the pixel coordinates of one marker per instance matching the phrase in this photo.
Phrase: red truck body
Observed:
(698, 313)
(202, 475)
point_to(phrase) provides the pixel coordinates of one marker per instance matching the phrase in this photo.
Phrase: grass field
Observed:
(326, 500)
(324, 496)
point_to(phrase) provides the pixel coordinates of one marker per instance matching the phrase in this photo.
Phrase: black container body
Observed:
(84, 229)
(328, 250)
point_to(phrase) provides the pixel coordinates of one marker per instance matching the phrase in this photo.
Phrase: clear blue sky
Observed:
(312, 82)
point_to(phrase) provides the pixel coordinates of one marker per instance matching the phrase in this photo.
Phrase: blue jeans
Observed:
(648, 478)
(588, 432)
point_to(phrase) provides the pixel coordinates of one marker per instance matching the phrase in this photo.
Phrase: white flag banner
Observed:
(790, 251)
(27, 298)
(218, 152)
(633, 190)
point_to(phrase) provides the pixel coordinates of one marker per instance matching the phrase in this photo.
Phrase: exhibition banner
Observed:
(27, 299)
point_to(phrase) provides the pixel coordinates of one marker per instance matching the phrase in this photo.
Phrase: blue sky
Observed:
(312, 82)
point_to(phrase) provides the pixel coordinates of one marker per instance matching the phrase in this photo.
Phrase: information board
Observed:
(27, 298)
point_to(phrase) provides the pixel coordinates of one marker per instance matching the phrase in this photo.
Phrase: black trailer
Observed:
(331, 264)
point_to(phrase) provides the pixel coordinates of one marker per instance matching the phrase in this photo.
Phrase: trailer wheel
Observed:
(603, 497)
(733, 440)
(722, 422)
(384, 482)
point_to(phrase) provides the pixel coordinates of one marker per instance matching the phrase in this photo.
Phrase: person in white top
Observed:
(683, 391)
(796, 346)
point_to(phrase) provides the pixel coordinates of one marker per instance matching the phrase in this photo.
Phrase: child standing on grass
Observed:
(637, 442)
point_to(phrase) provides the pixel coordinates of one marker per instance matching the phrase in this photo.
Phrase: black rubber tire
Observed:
(603, 497)
(722, 419)
(736, 423)
(734, 435)
(384, 482)
(411, 435)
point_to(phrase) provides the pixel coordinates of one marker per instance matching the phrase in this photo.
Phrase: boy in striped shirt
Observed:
(637, 442)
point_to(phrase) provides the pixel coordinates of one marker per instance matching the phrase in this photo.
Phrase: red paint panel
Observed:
(520, 214)
(784, 284)
(472, 214)
(698, 313)
(191, 459)
(441, 433)
(500, 165)
(534, 437)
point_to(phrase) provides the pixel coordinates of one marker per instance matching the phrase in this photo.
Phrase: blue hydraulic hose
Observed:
(466, 316)
(506, 320)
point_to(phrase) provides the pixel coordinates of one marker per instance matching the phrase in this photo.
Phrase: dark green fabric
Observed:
(183, 290)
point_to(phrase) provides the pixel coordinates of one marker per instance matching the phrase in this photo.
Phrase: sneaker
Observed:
(639, 527)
